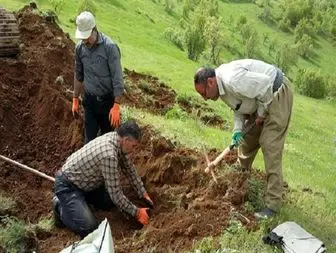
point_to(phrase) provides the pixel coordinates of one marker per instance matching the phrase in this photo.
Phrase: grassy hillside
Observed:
(310, 151)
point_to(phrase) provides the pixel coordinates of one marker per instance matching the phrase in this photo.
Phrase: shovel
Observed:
(226, 151)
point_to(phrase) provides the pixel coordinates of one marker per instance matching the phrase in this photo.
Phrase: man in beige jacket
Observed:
(256, 92)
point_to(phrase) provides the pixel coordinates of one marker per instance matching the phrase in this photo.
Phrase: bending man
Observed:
(257, 92)
(91, 176)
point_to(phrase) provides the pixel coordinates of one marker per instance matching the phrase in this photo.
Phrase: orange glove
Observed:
(148, 200)
(142, 215)
(75, 106)
(114, 115)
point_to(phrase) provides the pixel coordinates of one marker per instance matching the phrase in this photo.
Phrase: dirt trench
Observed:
(37, 129)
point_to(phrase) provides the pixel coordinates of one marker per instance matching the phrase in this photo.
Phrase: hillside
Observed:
(310, 151)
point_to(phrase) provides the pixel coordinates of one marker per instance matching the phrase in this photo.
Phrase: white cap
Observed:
(85, 23)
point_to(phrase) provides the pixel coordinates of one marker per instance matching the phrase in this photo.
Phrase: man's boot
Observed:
(56, 211)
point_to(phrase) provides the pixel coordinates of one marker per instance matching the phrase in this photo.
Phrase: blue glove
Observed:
(237, 138)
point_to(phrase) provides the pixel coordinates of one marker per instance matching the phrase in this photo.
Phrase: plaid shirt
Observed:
(101, 161)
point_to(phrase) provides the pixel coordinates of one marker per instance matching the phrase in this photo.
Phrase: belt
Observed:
(278, 80)
(99, 98)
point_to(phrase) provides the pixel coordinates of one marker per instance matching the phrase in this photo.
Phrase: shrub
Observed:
(86, 5)
(175, 36)
(311, 83)
(57, 5)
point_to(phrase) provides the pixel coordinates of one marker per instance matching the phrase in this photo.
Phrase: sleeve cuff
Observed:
(238, 122)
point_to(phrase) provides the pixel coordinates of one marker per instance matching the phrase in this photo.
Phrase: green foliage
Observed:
(57, 5)
(175, 36)
(7, 205)
(194, 40)
(86, 5)
(304, 27)
(205, 245)
(215, 38)
(250, 40)
(284, 24)
(286, 57)
(295, 10)
(331, 87)
(12, 235)
(311, 83)
(169, 6)
(305, 46)
(176, 113)
(255, 193)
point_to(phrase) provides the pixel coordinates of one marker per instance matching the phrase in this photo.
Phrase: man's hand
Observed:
(259, 120)
(75, 107)
(114, 115)
(148, 200)
(142, 215)
(237, 138)
(210, 167)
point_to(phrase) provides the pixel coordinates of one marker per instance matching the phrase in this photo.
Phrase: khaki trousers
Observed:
(271, 138)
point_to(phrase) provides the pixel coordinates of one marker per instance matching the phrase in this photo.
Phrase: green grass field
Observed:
(310, 150)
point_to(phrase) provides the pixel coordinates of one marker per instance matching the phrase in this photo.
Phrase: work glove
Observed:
(142, 215)
(114, 115)
(148, 200)
(237, 138)
(75, 106)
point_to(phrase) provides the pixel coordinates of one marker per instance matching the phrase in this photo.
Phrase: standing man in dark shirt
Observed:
(98, 69)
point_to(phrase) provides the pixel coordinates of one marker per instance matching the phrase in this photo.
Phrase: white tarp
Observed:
(298, 240)
(99, 241)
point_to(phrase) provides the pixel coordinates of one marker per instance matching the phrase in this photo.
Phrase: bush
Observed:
(86, 5)
(311, 83)
(57, 5)
(175, 36)
(331, 87)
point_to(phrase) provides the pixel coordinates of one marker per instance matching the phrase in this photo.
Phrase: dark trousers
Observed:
(73, 205)
(96, 115)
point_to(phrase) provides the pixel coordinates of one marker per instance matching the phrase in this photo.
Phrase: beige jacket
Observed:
(246, 87)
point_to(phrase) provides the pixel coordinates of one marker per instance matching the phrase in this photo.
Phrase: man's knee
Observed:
(85, 226)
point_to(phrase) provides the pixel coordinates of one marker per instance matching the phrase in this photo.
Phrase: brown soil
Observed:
(37, 129)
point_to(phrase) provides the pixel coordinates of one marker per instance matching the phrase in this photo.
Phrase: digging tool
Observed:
(208, 163)
(27, 168)
(219, 158)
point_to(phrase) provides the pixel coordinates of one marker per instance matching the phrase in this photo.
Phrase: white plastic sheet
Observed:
(298, 240)
(99, 241)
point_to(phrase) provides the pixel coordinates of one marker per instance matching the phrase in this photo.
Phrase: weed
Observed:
(176, 113)
(12, 235)
(7, 205)
(255, 194)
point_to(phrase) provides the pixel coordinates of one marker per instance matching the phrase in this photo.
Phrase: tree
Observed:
(286, 57)
(311, 83)
(86, 5)
(214, 37)
(305, 46)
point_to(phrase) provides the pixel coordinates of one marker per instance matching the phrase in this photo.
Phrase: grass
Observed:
(310, 150)
(7, 205)
(16, 237)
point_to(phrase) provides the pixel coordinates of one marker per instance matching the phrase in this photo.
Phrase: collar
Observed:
(220, 85)
(100, 38)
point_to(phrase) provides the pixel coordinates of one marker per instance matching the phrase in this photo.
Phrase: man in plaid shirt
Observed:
(91, 176)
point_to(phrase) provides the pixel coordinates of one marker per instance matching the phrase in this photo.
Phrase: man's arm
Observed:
(78, 87)
(111, 176)
(131, 173)
(115, 71)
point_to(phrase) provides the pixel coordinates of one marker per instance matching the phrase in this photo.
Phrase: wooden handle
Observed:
(27, 168)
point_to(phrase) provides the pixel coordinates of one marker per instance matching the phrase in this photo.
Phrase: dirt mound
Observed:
(37, 129)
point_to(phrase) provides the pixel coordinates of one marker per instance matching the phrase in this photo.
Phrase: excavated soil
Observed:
(37, 129)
